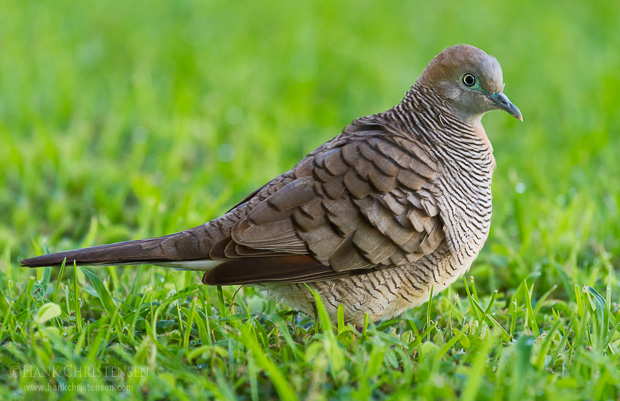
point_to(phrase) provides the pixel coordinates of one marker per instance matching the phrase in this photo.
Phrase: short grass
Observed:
(123, 120)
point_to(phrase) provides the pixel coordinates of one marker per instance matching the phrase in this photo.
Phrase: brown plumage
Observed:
(398, 203)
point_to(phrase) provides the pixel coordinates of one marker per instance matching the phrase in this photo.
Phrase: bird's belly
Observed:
(382, 294)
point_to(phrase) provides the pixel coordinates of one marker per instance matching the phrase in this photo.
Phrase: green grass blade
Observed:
(102, 292)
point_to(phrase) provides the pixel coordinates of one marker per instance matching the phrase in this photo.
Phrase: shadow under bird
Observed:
(397, 204)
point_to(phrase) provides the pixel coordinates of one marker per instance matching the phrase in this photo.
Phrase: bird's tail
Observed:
(176, 249)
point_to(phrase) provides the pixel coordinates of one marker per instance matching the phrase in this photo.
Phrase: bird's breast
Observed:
(466, 199)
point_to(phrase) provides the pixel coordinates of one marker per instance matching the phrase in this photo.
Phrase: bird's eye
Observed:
(469, 79)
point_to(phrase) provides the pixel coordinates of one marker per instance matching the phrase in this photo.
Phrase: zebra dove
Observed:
(397, 204)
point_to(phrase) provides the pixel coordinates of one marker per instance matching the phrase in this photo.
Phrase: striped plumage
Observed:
(397, 204)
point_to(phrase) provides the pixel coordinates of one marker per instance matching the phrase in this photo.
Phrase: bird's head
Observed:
(471, 80)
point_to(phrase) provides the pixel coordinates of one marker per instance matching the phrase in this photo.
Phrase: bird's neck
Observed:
(422, 107)
(482, 135)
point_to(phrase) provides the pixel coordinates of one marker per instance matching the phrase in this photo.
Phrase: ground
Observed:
(124, 120)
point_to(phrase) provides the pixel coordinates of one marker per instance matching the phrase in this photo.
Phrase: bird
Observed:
(394, 208)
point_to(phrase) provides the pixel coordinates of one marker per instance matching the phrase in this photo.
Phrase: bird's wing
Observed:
(367, 199)
(362, 201)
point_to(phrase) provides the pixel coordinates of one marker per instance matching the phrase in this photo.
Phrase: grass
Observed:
(124, 120)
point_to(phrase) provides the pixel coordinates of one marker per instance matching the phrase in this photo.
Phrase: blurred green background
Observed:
(152, 117)
(132, 119)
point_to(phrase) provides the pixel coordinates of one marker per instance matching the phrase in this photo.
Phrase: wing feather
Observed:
(364, 200)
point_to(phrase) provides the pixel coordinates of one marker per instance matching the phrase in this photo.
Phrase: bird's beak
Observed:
(504, 103)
